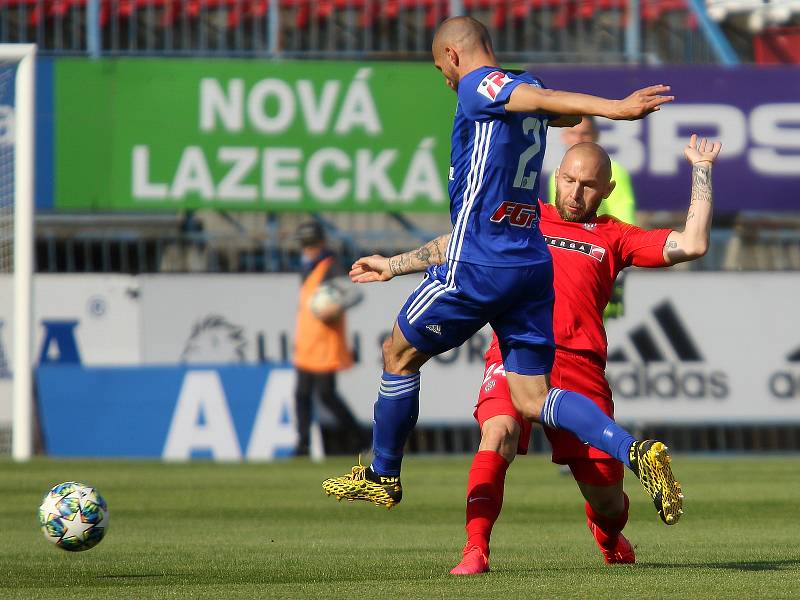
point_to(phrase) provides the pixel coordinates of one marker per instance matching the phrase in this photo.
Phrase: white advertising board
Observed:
(707, 347)
(216, 319)
(95, 317)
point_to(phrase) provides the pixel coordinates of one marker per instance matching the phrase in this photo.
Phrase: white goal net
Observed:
(16, 243)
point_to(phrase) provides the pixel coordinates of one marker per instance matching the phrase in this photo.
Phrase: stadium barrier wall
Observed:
(691, 349)
(171, 134)
(705, 347)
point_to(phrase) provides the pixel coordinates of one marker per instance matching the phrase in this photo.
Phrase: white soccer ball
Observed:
(324, 298)
(73, 516)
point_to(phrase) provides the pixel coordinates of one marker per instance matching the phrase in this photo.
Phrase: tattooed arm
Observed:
(380, 268)
(692, 242)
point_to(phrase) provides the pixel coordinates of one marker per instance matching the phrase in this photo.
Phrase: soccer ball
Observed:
(73, 516)
(324, 297)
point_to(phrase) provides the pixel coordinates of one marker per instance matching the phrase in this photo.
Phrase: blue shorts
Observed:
(457, 299)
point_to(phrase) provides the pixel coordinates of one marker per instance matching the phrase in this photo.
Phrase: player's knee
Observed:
(392, 359)
(387, 350)
(501, 434)
(400, 359)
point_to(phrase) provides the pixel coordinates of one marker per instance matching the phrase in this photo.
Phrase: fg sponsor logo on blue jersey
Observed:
(517, 213)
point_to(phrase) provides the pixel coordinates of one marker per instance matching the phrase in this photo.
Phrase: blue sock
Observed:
(579, 415)
(396, 412)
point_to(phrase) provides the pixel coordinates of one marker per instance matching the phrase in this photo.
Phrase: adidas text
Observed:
(641, 381)
(437, 329)
(785, 383)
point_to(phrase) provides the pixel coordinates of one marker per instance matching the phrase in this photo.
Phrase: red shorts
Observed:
(571, 371)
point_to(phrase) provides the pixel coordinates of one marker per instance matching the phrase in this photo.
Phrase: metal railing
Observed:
(119, 244)
(606, 31)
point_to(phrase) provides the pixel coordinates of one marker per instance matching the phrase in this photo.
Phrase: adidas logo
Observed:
(785, 383)
(666, 366)
(437, 329)
(676, 333)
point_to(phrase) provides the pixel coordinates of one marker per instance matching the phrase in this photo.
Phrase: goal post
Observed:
(19, 133)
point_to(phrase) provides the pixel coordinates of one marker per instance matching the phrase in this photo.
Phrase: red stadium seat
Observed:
(434, 9)
(125, 9)
(257, 8)
(653, 9)
(38, 10)
(498, 7)
(34, 9)
(367, 9)
(301, 9)
(298, 14)
(235, 10)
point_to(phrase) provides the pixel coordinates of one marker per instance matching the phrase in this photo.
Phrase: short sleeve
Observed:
(487, 97)
(642, 248)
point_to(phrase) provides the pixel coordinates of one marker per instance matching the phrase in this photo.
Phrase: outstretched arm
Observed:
(692, 242)
(380, 268)
(531, 99)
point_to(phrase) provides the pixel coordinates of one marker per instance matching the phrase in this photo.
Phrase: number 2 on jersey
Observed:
(523, 179)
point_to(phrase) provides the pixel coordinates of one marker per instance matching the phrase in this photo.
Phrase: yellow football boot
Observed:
(650, 461)
(362, 483)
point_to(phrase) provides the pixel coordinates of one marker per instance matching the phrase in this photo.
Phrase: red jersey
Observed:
(587, 257)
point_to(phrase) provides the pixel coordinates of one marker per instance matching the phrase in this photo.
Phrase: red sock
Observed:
(609, 527)
(487, 478)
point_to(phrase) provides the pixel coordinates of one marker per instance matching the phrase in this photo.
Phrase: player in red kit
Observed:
(588, 253)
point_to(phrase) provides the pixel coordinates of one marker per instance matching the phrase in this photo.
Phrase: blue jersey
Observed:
(495, 166)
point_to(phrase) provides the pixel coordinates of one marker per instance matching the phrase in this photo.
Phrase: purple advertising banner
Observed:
(754, 111)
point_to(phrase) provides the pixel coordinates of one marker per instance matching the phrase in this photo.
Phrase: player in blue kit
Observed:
(494, 267)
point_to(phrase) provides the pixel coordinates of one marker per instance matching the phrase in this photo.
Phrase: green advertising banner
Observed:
(137, 134)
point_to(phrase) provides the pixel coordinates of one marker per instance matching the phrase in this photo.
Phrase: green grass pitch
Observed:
(205, 530)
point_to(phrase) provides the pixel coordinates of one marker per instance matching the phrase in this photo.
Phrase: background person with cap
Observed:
(320, 347)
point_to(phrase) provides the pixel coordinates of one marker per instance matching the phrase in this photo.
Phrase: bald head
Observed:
(583, 181)
(460, 46)
(465, 34)
(593, 158)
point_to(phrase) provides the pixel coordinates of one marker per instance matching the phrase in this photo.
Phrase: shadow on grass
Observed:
(265, 578)
(143, 575)
(743, 565)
